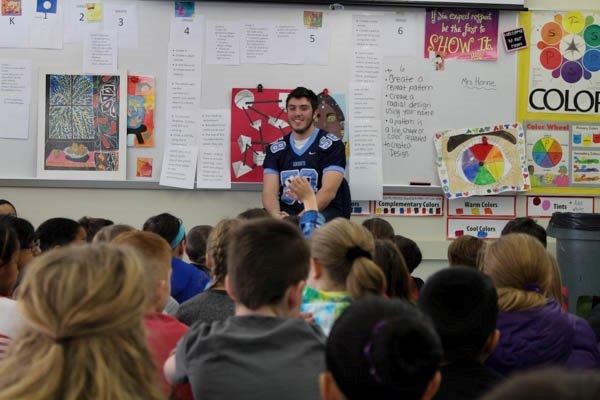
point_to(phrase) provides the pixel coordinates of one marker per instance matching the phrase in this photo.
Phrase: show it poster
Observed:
(140, 111)
(81, 130)
(482, 161)
(464, 34)
(564, 71)
(548, 153)
(258, 118)
(586, 167)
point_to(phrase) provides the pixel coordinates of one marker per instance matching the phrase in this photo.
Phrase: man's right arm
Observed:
(270, 193)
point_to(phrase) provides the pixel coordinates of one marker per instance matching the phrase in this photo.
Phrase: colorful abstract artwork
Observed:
(143, 167)
(81, 126)
(184, 9)
(11, 7)
(258, 118)
(140, 111)
(482, 161)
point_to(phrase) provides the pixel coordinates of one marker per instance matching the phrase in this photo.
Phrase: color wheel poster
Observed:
(258, 118)
(565, 62)
(482, 161)
(548, 153)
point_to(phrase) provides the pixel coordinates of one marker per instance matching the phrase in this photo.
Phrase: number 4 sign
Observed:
(187, 32)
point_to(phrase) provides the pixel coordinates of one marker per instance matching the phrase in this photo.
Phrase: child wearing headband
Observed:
(341, 269)
(381, 349)
(186, 280)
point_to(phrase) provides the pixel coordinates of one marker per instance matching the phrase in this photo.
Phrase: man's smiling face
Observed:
(300, 114)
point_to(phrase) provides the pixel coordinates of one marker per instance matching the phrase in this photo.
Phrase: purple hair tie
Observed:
(533, 287)
(369, 347)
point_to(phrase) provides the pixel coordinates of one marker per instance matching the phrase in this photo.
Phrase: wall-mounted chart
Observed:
(548, 153)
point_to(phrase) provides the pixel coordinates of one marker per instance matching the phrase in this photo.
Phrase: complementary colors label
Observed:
(409, 205)
(478, 227)
(360, 208)
(545, 206)
(493, 206)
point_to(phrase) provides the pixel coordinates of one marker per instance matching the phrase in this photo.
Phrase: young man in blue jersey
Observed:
(310, 153)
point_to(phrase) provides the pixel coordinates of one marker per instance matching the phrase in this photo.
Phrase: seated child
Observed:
(59, 232)
(381, 349)
(108, 233)
(463, 251)
(26, 234)
(253, 213)
(195, 246)
(534, 330)
(341, 269)
(379, 228)
(162, 331)
(463, 305)
(214, 304)
(186, 281)
(93, 225)
(83, 336)
(7, 208)
(264, 351)
(413, 257)
(391, 262)
(10, 317)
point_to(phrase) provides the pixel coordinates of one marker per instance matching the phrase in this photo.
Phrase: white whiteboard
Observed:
(18, 157)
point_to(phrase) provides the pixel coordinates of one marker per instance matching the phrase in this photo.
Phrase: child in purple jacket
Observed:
(534, 330)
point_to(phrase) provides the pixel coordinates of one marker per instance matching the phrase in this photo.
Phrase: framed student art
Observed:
(82, 126)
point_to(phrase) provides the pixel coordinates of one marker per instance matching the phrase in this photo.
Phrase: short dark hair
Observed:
(463, 304)
(383, 349)
(266, 256)
(546, 384)
(195, 246)
(379, 228)
(389, 259)
(56, 232)
(9, 244)
(301, 92)
(23, 228)
(254, 213)
(165, 225)
(528, 226)
(464, 251)
(92, 225)
(4, 201)
(409, 250)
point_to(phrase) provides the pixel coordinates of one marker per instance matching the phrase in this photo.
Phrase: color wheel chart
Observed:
(547, 152)
(483, 163)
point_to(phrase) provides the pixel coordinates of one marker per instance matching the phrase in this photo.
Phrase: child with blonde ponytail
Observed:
(83, 337)
(341, 269)
(534, 330)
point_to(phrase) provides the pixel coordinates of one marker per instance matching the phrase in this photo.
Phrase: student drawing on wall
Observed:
(330, 116)
(439, 62)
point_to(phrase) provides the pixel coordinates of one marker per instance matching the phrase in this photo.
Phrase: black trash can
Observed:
(578, 253)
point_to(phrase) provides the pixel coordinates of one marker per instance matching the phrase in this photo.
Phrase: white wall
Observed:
(207, 207)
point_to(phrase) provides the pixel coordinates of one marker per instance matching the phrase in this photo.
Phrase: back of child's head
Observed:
(344, 250)
(521, 270)
(195, 245)
(409, 250)
(7, 208)
(9, 250)
(383, 349)
(389, 259)
(253, 213)
(108, 233)
(83, 308)
(545, 384)
(168, 226)
(59, 232)
(216, 248)
(264, 258)
(464, 250)
(23, 228)
(155, 253)
(379, 228)
(463, 305)
(528, 226)
(93, 225)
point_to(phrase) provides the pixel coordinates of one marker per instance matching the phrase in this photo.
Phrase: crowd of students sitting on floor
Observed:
(282, 309)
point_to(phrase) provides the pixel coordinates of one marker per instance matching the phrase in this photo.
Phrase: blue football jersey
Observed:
(321, 153)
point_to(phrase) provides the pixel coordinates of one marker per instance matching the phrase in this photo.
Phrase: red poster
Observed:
(258, 118)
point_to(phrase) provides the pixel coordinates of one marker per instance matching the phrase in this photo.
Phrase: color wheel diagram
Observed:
(483, 163)
(547, 152)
